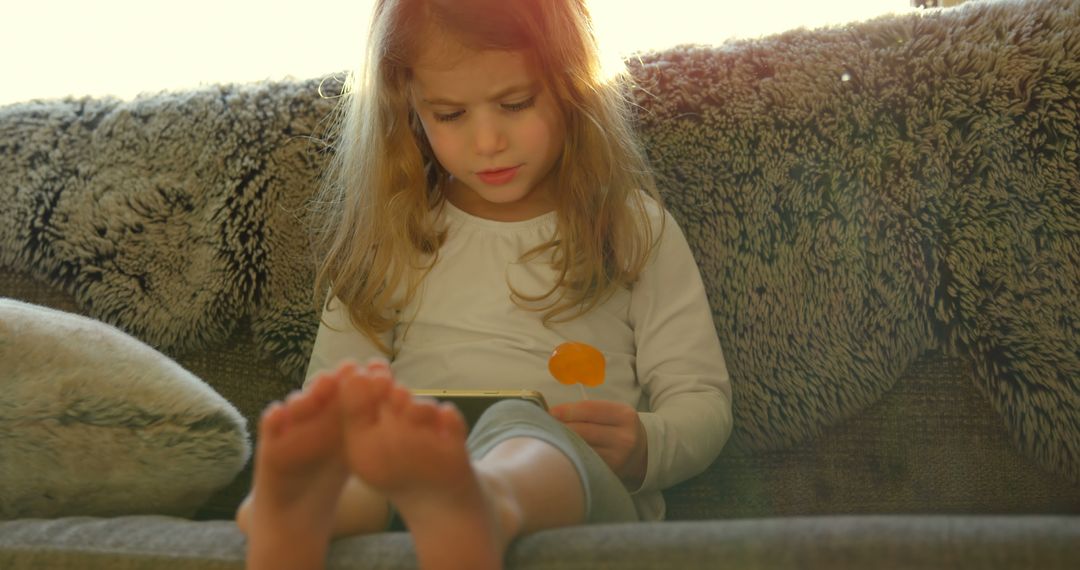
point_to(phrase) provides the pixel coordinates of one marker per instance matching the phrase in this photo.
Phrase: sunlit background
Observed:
(55, 48)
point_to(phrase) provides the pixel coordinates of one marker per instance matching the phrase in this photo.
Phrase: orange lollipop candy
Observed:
(577, 363)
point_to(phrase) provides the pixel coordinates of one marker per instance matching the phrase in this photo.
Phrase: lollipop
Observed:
(577, 363)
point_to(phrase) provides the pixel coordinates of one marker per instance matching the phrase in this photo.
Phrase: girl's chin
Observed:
(502, 198)
(505, 194)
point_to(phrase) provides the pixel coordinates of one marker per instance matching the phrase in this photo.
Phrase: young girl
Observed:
(487, 202)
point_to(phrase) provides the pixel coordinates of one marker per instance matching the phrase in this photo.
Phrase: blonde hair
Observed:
(375, 235)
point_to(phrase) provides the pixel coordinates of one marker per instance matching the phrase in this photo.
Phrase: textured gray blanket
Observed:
(854, 196)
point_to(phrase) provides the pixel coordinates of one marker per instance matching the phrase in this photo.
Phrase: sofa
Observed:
(886, 214)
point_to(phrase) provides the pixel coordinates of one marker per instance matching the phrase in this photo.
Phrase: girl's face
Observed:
(493, 127)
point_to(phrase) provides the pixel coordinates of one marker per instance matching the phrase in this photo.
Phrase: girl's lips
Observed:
(498, 177)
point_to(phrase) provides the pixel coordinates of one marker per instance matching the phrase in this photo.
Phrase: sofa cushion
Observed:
(95, 422)
(931, 445)
(885, 542)
(856, 196)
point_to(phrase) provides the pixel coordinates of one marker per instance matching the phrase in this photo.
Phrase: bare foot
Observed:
(299, 474)
(413, 452)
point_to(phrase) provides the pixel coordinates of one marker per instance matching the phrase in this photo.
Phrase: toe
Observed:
(378, 364)
(352, 398)
(274, 420)
(398, 398)
(323, 391)
(451, 422)
(303, 405)
(361, 398)
(422, 412)
(346, 366)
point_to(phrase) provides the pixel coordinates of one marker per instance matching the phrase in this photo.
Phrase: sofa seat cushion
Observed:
(959, 542)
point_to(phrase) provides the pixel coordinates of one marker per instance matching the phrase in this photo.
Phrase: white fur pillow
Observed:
(94, 422)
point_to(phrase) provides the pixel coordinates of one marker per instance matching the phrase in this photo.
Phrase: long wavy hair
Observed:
(374, 232)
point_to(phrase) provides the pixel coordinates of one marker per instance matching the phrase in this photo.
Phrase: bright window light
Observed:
(56, 48)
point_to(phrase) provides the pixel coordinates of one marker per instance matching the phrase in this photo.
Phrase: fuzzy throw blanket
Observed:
(854, 195)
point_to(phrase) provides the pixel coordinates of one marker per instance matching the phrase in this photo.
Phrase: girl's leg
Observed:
(299, 474)
(461, 514)
(607, 499)
(536, 481)
(302, 493)
(360, 509)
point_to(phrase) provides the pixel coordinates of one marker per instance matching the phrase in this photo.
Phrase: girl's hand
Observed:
(614, 431)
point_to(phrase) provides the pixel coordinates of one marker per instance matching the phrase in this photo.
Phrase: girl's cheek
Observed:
(536, 129)
(437, 142)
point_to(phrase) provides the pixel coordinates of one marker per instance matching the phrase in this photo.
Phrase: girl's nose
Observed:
(490, 137)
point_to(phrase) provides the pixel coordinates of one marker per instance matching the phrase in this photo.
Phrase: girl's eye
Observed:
(514, 107)
(522, 105)
(447, 118)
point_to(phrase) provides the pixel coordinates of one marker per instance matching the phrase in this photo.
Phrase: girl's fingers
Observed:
(597, 412)
(597, 436)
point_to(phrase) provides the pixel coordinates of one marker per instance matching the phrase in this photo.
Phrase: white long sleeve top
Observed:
(463, 331)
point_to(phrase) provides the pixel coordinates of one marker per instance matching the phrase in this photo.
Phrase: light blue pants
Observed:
(606, 498)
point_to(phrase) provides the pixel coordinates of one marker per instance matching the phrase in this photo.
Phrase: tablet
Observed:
(472, 403)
